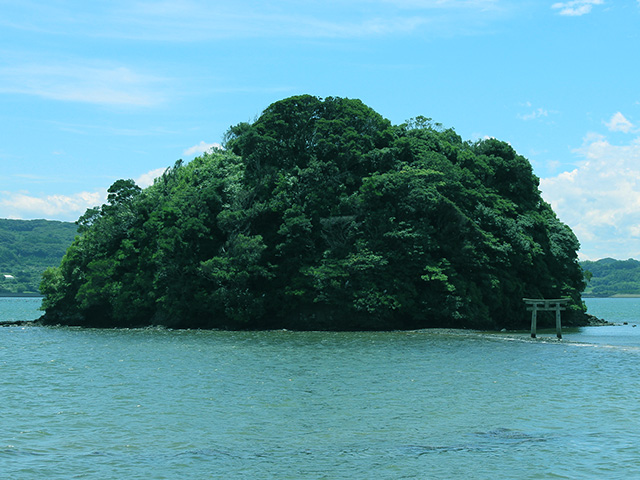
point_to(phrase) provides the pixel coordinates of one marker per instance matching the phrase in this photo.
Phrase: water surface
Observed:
(160, 404)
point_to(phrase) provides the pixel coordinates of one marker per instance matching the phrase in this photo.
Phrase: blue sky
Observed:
(91, 92)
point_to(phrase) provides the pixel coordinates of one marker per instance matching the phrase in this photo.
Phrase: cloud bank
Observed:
(24, 205)
(600, 199)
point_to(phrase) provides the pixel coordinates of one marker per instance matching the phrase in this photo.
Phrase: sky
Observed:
(91, 92)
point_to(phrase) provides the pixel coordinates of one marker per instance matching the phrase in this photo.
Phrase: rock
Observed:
(594, 321)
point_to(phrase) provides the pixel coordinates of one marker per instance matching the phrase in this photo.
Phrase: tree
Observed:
(322, 215)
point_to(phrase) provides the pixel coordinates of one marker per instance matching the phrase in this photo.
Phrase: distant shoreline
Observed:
(617, 295)
(28, 295)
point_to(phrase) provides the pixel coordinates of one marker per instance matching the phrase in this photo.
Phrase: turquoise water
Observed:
(159, 404)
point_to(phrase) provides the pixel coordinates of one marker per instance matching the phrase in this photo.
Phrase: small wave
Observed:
(11, 451)
(204, 452)
(490, 441)
(571, 340)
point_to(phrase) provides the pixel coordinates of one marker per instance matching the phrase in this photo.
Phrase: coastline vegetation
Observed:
(612, 278)
(322, 215)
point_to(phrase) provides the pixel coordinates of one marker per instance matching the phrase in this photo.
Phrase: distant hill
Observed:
(609, 277)
(27, 248)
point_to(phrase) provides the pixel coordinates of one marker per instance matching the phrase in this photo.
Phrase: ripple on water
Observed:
(132, 403)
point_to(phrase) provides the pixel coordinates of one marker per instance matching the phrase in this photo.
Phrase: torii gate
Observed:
(545, 304)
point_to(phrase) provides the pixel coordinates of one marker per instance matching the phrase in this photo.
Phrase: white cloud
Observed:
(576, 8)
(24, 205)
(619, 123)
(98, 84)
(440, 4)
(196, 20)
(534, 113)
(537, 113)
(200, 148)
(146, 179)
(600, 199)
(437, 3)
(54, 207)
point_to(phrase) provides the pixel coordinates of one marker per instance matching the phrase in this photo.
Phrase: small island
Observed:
(322, 215)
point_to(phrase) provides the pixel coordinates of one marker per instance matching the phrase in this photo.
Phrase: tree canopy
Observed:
(321, 214)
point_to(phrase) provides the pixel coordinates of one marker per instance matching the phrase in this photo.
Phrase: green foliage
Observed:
(27, 249)
(322, 215)
(609, 277)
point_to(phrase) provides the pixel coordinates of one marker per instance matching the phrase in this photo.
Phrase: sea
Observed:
(155, 403)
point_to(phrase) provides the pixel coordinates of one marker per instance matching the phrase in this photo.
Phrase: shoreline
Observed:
(21, 295)
(584, 295)
(617, 295)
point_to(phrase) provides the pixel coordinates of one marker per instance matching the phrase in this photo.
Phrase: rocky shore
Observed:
(594, 321)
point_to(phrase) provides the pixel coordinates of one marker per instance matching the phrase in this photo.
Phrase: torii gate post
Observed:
(545, 304)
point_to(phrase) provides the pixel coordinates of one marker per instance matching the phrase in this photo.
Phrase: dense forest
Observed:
(321, 214)
(27, 249)
(609, 277)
